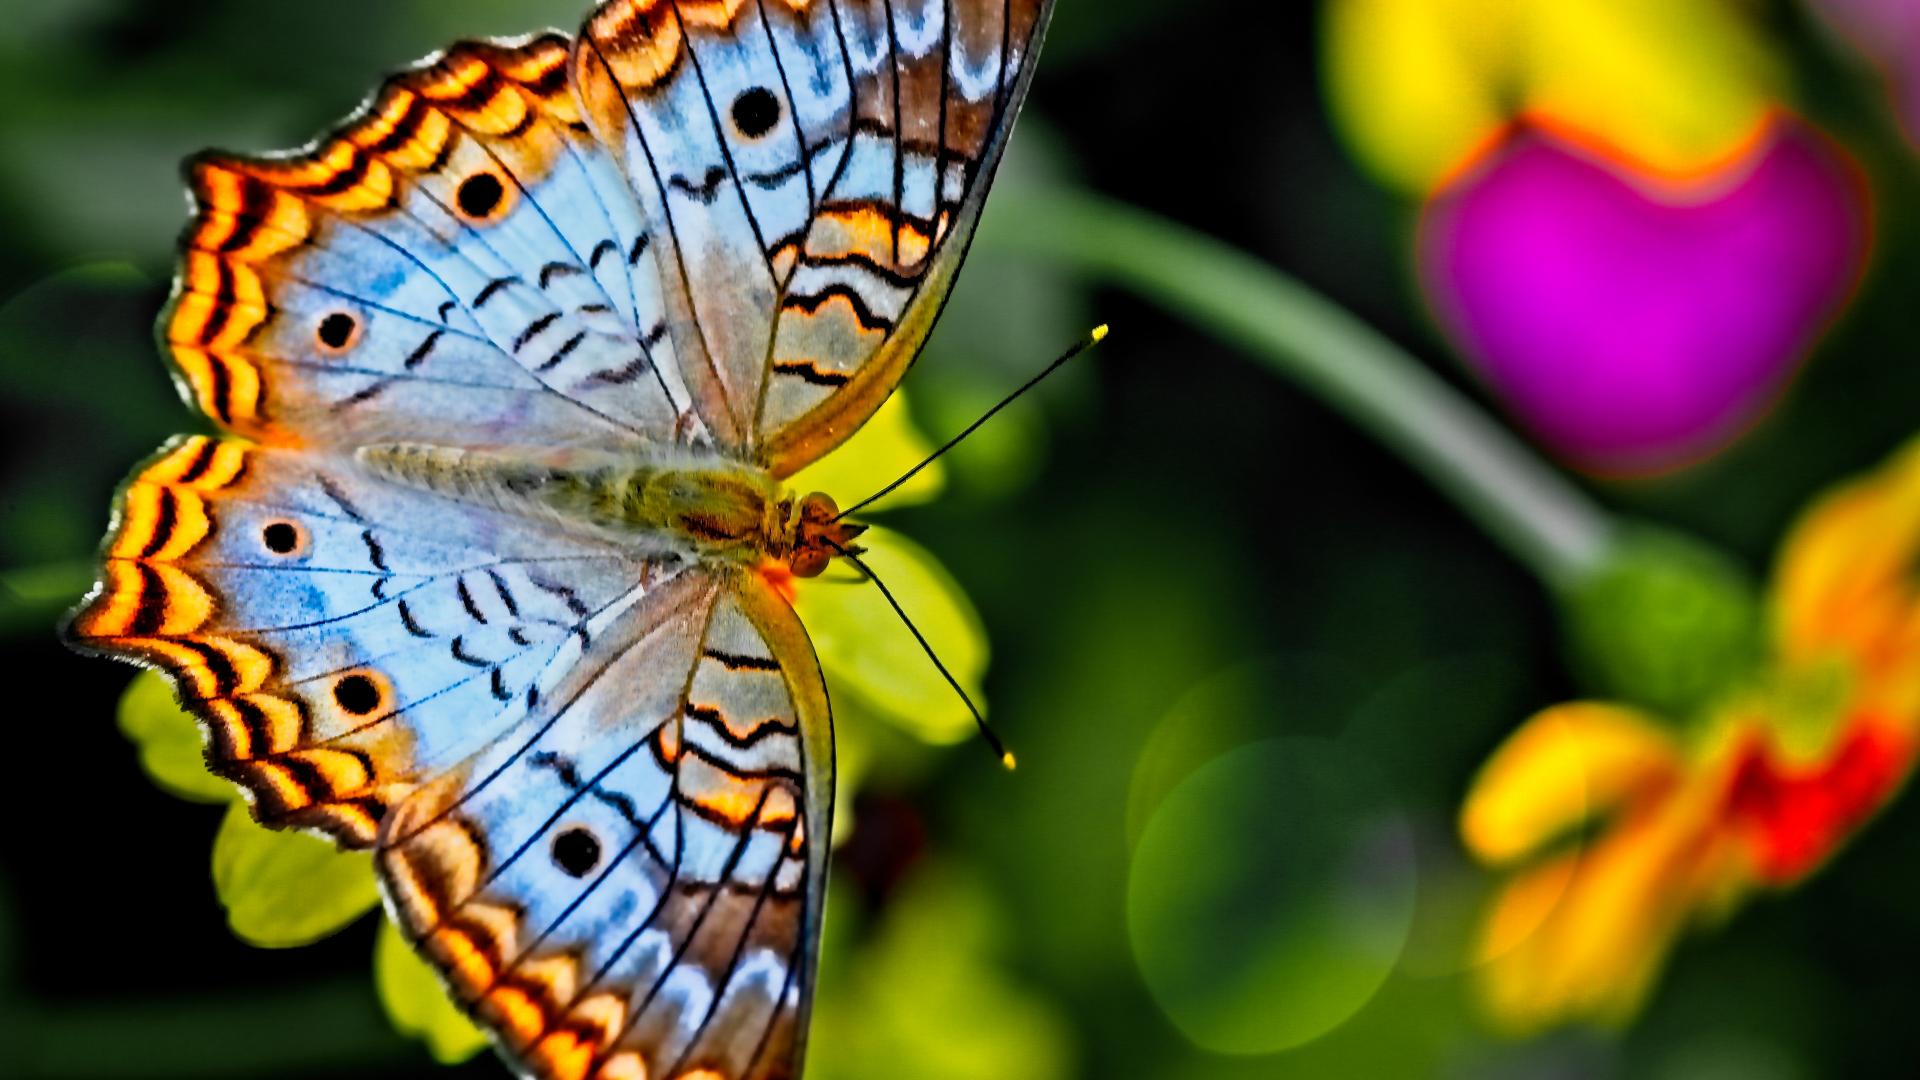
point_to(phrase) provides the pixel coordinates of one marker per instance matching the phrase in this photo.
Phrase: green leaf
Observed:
(1004, 457)
(286, 889)
(169, 741)
(929, 988)
(877, 455)
(417, 1002)
(868, 654)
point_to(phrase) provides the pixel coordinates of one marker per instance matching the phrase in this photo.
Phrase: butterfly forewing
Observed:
(629, 883)
(461, 262)
(816, 170)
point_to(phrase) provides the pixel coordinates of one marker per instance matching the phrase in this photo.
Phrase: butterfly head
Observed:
(818, 536)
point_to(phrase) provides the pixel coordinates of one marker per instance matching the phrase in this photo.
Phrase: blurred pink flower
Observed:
(1636, 322)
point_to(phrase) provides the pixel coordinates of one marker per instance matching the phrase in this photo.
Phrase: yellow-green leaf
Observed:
(285, 889)
(169, 742)
(868, 653)
(877, 455)
(417, 1002)
(1001, 458)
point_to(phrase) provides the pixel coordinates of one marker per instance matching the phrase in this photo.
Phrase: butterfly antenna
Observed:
(1094, 337)
(986, 730)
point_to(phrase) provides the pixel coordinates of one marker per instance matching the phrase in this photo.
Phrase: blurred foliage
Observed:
(1250, 661)
(1667, 623)
(283, 890)
(1271, 895)
(884, 449)
(169, 743)
(928, 985)
(419, 1005)
(873, 664)
(871, 660)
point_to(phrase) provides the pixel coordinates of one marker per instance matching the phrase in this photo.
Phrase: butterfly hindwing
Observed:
(462, 261)
(339, 637)
(816, 168)
(629, 884)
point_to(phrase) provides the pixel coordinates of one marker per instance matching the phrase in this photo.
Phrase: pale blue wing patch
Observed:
(342, 638)
(816, 78)
(710, 246)
(484, 266)
(610, 887)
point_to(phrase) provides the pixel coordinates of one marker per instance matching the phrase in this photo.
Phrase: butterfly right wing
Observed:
(629, 883)
(815, 170)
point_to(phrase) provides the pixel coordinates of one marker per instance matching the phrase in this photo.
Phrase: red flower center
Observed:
(1796, 815)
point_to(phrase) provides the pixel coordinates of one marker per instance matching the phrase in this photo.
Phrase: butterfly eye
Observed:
(810, 562)
(756, 112)
(283, 538)
(480, 197)
(338, 332)
(576, 852)
(359, 693)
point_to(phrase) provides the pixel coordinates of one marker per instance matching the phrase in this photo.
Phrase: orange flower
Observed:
(1682, 822)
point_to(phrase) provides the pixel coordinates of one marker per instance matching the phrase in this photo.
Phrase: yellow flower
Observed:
(287, 889)
(1417, 86)
(1684, 822)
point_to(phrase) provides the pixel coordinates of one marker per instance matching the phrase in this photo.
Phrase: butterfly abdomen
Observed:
(715, 508)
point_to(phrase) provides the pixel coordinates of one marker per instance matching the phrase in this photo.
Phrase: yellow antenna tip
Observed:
(1100, 333)
(1008, 760)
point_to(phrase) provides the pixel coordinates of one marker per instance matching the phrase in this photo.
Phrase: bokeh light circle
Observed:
(1271, 894)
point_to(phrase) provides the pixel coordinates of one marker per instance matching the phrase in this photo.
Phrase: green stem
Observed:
(1527, 506)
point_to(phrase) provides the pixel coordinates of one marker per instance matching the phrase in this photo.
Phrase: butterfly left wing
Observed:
(340, 639)
(816, 169)
(460, 261)
(629, 885)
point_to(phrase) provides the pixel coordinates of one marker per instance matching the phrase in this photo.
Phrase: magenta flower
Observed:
(1636, 323)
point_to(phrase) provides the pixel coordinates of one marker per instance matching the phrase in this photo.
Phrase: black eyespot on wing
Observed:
(576, 852)
(338, 330)
(756, 112)
(281, 537)
(357, 693)
(480, 195)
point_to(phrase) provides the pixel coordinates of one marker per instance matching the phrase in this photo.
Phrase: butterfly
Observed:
(484, 571)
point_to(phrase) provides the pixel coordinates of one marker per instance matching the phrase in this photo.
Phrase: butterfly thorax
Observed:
(707, 506)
